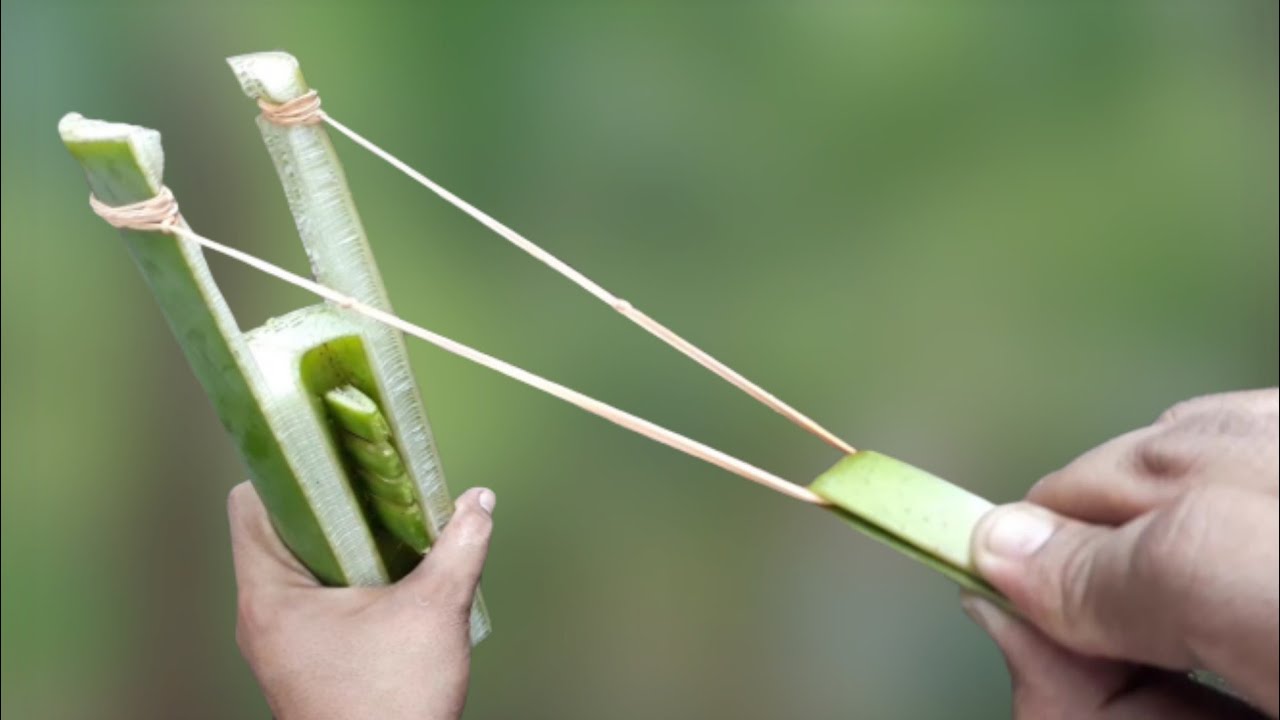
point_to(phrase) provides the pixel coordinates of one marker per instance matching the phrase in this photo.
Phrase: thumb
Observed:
(449, 574)
(1188, 585)
(1109, 592)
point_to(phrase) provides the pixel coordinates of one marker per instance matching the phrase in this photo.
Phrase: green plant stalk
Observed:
(125, 164)
(912, 511)
(324, 211)
(268, 385)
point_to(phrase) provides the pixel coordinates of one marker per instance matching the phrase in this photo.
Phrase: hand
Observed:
(401, 651)
(1152, 555)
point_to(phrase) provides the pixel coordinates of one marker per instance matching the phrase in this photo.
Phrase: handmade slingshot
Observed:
(322, 404)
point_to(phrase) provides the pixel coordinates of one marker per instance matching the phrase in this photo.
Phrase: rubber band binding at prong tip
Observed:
(301, 111)
(155, 214)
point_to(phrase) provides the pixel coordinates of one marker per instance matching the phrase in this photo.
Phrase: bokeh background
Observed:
(982, 237)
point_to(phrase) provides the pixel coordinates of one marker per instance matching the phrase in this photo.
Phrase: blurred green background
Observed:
(982, 237)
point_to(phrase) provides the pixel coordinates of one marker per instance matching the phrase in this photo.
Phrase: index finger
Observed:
(261, 559)
(1102, 486)
(1225, 439)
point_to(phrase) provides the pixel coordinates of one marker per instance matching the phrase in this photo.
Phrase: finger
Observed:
(1103, 485)
(1051, 682)
(261, 559)
(1192, 586)
(1159, 694)
(451, 570)
(1048, 680)
(1213, 441)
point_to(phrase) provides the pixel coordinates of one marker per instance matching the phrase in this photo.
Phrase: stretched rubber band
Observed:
(305, 110)
(160, 214)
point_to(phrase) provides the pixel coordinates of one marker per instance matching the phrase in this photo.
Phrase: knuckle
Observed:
(1198, 442)
(473, 528)
(1164, 455)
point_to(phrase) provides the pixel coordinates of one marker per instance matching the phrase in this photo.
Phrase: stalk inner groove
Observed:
(337, 375)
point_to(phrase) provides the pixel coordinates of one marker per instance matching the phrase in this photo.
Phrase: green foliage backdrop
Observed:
(979, 236)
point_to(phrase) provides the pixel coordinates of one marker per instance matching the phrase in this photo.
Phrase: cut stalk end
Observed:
(274, 76)
(324, 211)
(123, 163)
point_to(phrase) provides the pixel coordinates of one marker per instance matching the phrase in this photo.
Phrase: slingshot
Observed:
(322, 403)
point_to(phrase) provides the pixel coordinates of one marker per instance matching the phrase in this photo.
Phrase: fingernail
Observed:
(1017, 531)
(488, 500)
(982, 611)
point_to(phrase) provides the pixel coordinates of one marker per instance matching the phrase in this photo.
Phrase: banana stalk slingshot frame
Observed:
(322, 404)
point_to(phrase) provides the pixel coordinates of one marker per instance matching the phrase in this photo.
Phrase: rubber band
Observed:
(160, 214)
(305, 110)
(302, 110)
(155, 214)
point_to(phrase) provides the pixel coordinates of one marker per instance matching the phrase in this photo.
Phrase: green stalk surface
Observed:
(125, 164)
(324, 211)
(910, 510)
